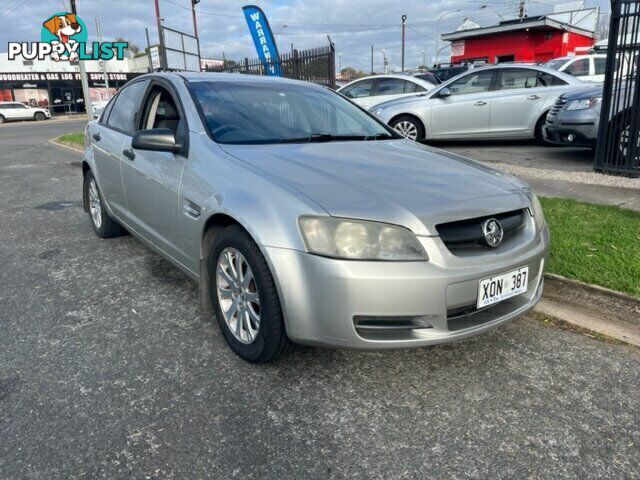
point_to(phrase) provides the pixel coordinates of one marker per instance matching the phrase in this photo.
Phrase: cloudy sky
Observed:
(353, 25)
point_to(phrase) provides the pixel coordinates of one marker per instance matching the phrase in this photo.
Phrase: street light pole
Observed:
(83, 77)
(435, 60)
(195, 28)
(424, 58)
(404, 19)
(371, 59)
(384, 60)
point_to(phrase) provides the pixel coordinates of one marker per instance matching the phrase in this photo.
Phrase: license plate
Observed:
(496, 289)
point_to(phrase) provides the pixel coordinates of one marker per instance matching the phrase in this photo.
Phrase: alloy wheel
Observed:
(625, 143)
(95, 207)
(238, 295)
(407, 129)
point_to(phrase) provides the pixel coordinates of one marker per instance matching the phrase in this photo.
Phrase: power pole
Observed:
(160, 36)
(523, 10)
(404, 19)
(104, 63)
(83, 76)
(371, 59)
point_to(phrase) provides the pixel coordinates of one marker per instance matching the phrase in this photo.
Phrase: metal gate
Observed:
(618, 149)
(317, 65)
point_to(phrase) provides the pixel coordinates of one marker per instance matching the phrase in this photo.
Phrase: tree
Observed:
(133, 48)
(350, 73)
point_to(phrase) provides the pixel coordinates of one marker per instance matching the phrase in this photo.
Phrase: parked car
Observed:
(574, 119)
(370, 91)
(429, 77)
(590, 68)
(98, 108)
(501, 101)
(12, 111)
(306, 220)
(447, 73)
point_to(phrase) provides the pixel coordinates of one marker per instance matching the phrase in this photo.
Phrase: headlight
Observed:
(377, 111)
(536, 211)
(584, 103)
(360, 240)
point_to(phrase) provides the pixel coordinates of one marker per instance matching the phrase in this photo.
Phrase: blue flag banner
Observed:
(263, 39)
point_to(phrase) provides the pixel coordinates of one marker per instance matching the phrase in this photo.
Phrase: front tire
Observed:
(101, 221)
(245, 298)
(2, 120)
(409, 127)
(538, 131)
(39, 117)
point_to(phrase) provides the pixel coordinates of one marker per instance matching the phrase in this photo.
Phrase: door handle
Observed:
(480, 103)
(533, 97)
(96, 137)
(129, 154)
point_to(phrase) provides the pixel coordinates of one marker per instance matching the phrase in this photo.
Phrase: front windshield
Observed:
(247, 112)
(554, 64)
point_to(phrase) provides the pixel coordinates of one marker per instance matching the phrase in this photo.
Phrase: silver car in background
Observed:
(306, 220)
(371, 91)
(496, 102)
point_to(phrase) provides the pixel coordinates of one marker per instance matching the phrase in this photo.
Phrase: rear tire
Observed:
(241, 297)
(2, 120)
(39, 117)
(409, 127)
(101, 221)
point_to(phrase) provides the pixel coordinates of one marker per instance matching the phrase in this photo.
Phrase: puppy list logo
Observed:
(64, 37)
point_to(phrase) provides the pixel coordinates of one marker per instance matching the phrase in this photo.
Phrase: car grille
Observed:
(561, 102)
(468, 234)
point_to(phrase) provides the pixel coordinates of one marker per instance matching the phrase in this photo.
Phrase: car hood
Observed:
(584, 93)
(392, 181)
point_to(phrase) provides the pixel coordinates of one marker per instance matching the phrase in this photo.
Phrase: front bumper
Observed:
(340, 303)
(577, 128)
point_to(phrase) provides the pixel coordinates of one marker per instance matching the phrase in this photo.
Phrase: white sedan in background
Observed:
(497, 102)
(590, 68)
(371, 91)
(13, 111)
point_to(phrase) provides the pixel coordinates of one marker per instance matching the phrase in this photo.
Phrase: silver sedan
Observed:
(306, 220)
(499, 102)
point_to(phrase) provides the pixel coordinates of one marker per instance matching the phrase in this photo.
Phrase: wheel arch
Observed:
(413, 116)
(86, 168)
(537, 127)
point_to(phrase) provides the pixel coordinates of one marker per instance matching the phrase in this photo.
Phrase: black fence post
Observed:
(617, 149)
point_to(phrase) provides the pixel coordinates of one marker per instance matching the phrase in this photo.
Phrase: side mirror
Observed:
(157, 140)
(445, 92)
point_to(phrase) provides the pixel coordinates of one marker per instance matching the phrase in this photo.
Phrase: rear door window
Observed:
(390, 86)
(124, 113)
(579, 68)
(600, 65)
(358, 89)
(473, 83)
(518, 78)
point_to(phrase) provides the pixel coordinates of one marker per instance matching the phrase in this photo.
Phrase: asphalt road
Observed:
(107, 371)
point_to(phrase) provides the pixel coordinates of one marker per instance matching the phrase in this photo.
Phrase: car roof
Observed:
(402, 76)
(233, 77)
(564, 76)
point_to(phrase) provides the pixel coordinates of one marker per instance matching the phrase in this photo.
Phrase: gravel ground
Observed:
(107, 371)
(554, 171)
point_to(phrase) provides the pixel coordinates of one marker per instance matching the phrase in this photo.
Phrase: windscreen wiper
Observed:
(379, 136)
(322, 137)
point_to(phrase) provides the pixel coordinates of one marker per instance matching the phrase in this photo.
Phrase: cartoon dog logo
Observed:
(64, 27)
